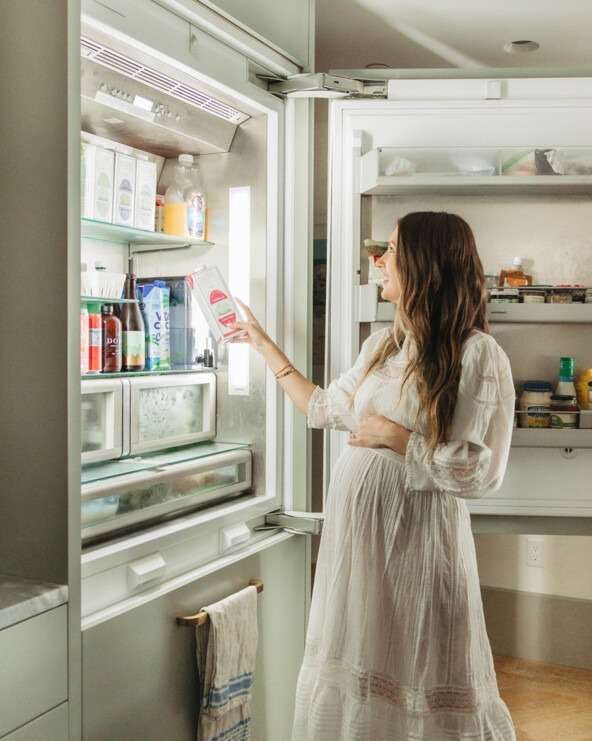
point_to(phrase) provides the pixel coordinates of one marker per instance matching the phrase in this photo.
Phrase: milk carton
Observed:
(96, 175)
(124, 190)
(216, 303)
(145, 195)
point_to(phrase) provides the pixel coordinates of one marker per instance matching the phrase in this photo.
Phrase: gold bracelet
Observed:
(282, 369)
(287, 372)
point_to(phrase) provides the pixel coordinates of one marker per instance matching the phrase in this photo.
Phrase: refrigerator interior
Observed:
(234, 142)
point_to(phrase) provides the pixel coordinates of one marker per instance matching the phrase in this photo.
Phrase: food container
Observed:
(564, 412)
(532, 295)
(216, 302)
(503, 296)
(535, 403)
(561, 295)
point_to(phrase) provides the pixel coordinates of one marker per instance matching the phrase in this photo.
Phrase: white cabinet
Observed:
(33, 670)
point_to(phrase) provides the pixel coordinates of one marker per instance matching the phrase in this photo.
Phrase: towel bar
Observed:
(202, 616)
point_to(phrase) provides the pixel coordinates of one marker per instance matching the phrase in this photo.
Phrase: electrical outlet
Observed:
(535, 552)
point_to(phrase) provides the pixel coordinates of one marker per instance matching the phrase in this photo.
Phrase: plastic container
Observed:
(535, 403)
(195, 205)
(582, 388)
(564, 412)
(175, 215)
(95, 339)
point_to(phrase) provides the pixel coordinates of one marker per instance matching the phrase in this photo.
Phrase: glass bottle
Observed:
(175, 216)
(111, 340)
(133, 346)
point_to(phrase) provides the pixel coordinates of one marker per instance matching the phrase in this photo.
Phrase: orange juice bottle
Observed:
(175, 214)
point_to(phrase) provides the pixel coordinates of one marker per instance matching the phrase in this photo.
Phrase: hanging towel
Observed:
(226, 647)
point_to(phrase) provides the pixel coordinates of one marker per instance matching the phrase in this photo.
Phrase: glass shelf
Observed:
(111, 469)
(131, 374)
(105, 232)
(106, 300)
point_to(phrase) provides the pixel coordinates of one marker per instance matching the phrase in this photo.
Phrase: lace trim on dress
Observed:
(459, 477)
(319, 413)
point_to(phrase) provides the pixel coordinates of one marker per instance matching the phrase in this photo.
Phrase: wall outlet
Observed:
(535, 552)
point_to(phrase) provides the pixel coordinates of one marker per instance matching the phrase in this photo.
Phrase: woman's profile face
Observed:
(391, 289)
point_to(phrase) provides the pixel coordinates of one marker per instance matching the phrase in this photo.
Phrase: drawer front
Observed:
(33, 670)
(52, 726)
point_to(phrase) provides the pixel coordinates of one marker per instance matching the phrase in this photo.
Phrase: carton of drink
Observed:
(96, 171)
(145, 202)
(124, 190)
(216, 303)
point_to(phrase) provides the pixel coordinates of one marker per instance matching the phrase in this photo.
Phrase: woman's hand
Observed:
(254, 333)
(378, 431)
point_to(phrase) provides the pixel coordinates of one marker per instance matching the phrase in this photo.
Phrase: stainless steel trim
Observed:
(298, 523)
(316, 82)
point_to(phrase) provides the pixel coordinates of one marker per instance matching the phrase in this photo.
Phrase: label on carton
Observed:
(216, 302)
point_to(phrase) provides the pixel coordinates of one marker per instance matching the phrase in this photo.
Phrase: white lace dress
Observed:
(396, 647)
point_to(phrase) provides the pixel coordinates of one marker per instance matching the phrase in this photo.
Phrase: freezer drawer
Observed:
(101, 419)
(131, 501)
(167, 411)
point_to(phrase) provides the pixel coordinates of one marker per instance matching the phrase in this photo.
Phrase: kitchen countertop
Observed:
(21, 598)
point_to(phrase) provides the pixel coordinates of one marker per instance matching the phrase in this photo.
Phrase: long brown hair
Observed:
(443, 299)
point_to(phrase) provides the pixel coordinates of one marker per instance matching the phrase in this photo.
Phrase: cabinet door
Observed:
(139, 668)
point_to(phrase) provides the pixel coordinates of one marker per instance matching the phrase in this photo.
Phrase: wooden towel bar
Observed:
(202, 616)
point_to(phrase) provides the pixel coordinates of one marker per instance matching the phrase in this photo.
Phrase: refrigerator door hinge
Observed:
(323, 85)
(299, 523)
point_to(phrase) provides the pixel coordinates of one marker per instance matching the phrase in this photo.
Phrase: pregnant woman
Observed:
(396, 647)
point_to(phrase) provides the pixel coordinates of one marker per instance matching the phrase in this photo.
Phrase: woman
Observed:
(396, 647)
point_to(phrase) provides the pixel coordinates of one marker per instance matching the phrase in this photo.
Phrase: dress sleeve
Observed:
(326, 407)
(474, 461)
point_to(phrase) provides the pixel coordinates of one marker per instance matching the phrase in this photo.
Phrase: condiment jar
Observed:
(564, 412)
(535, 402)
(532, 295)
(582, 388)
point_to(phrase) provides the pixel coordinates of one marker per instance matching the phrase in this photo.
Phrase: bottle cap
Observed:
(186, 159)
(518, 261)
(159, 283)
(107, 309)
(100, 266)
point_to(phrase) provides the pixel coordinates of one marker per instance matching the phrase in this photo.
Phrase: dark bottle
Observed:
(111, 340)
(133, 345)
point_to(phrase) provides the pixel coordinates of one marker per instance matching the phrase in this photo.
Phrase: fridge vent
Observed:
(115, 61)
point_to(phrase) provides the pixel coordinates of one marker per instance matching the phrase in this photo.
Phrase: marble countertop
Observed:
(21, 599)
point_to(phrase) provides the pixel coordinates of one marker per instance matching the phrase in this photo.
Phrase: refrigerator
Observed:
(134, 664)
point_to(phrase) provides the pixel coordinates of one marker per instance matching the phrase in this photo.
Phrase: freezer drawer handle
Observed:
(298, 523)
(202, 616)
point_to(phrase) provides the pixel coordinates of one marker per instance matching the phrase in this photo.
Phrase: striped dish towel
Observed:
(226, 647)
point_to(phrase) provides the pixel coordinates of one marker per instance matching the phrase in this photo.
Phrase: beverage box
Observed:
(216, 303)
(124, 190)
(96, 174)
(145, 195)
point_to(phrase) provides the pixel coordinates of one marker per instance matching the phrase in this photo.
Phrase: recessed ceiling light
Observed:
(521, 47)
(377, 65)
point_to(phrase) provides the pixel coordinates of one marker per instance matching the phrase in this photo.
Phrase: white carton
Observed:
(145, 195)
(124, 190)
(96, 173)
(216, 303)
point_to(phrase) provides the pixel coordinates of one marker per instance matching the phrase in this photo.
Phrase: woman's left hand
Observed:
(378, 431)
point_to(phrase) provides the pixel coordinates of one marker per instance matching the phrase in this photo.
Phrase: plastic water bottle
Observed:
(175, 216)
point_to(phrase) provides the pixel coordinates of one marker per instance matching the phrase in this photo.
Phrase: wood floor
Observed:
(547, 702)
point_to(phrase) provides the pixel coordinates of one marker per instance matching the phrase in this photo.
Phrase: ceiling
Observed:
(350, 34)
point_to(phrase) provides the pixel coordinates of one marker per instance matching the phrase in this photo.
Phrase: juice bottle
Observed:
(175, 216)
(95, 339)
(111, 340)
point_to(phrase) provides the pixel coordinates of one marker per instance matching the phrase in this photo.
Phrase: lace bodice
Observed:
(474, 460)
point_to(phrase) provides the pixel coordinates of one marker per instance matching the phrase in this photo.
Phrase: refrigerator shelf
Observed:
(548, 438)
(104, 232)
(97, 472)
(545, 313)
(149, 373)
(106, 300)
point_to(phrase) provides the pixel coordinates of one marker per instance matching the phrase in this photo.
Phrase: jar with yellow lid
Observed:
(582, 388)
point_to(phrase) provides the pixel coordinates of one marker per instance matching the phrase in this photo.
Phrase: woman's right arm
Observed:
(298, 388)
